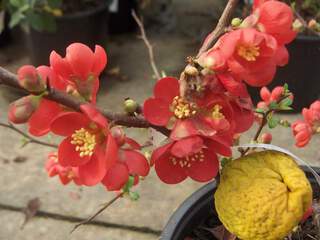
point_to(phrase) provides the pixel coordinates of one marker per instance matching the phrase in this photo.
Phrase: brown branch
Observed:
(30, 139)
(148, 44)
(221, 26)
(104, 207)
(10, 79)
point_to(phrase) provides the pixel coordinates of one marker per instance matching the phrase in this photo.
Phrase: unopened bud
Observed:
(119, 135)
(30, 79)
(312, 23)
(21, 110)
(191, 70)
(236, 22)
(297, 26)
(266, 138)
(130, 106)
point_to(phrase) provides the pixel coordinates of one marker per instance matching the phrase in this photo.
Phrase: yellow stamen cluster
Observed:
(182, 108)
(70, 174)
(188, 160)
(249, 53)
(216, 112)
(84, 141)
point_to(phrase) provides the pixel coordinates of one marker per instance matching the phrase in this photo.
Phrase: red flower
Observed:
(81, 67)
(251, 55)
(269, 97)
(88, 145)
(128, 162)
(192, 157)
(302, 133)
(275, 18)
(312, 115)
(66, 174)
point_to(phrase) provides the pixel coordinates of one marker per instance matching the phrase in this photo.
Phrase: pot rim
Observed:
(196, 201)
(308, 38)
(102, 7)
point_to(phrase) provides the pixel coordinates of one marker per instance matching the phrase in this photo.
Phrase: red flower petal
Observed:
(111, 152)
(68, 156)
(39, 123)
(187, 128)
(218, 147)
(206, 170)
(67, 123)
(81, 59)
(243, 120)
(157, 153)
(187, 146)
(135, 161)
(132, 143)
(167, 172)
(94, 171)
(116, 177)
(60, 65)
(100, 60)
(94, 115)
(166, 88)
(157, 111)
(234, 87)
(282, 56)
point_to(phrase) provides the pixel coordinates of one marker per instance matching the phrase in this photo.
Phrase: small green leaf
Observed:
(273, 105)
(42, 22)
(54, 3)
(16, 18)
(260, 110)
(272, 121)
(129, 184)
(134, 196)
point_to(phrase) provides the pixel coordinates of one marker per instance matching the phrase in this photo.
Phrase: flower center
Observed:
(249, 53)
(84, 142)
(70, 174)
(182, 108)
(188, 160)
(216, 112)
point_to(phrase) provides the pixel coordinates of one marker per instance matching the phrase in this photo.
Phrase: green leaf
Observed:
(42, 22)
(260, 110)
(54, 3)
(272, 121)
(134, 196)
(18, 3)
(273, 105)
(16, 18)
(129, 184)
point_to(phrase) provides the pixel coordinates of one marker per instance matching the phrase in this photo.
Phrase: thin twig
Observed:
(105, 206)
(30, 139)
(148, 44)
(221, 26)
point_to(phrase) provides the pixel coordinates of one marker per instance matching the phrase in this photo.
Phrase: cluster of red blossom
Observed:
(91, 152)
(202, 123)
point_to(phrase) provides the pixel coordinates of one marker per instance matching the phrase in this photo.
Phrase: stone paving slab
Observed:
(48, 229)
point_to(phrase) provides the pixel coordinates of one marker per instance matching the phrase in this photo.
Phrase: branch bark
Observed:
(221, 26)
(10, 79)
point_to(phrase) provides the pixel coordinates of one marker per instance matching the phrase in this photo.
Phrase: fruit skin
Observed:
(262, 196)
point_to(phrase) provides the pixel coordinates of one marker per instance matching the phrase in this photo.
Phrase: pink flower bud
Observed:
(119, 135)
(31, 79)
(21, 110)
(266, 138)
(276, 94)
(265, 94)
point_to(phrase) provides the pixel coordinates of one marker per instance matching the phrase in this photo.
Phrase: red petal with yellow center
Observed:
(206, 170)
(167, 171)
(65, 124)
(187, 146)
(68, 156)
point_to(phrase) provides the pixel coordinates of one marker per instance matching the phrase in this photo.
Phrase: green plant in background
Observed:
(39, 14)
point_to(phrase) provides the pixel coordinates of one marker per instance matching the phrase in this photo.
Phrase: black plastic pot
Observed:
(122, 21)
(5, 35)
(199, 207)
(89, 27)
(302, 73)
